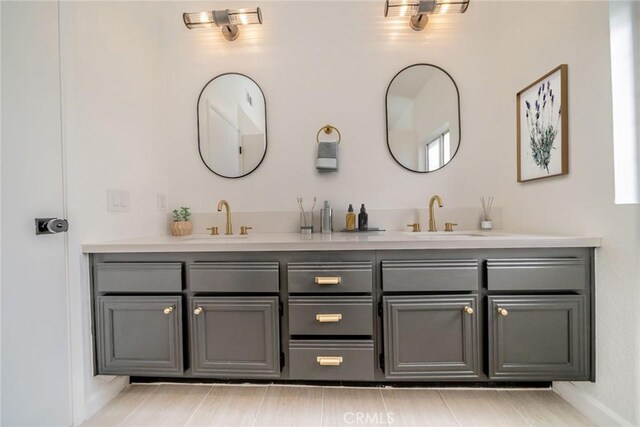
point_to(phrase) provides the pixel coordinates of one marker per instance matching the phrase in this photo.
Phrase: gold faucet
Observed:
(432, 219)
(228, 229)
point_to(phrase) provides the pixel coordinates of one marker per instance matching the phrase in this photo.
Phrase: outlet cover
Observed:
(162, 202)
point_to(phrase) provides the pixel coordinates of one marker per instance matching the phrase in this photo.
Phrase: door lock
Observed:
(51, 225)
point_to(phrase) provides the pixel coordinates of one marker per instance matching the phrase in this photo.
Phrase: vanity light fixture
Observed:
(419, 10)
(227, 19)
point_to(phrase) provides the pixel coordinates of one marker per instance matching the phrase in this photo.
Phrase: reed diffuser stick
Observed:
(487, 204)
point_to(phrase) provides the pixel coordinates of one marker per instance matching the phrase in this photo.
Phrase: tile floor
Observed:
(277, 405)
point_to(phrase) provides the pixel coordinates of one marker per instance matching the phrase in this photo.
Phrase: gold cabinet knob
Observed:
(244, 230)
(168, 310)
(468, 310)
(197, 311)
(214, 231)
(329, 318)
(329, 360)
(327, 280)
(448, 226)
(503, 311)
(415, 227)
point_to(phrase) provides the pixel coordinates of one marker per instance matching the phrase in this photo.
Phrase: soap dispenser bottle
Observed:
(363, 219)
(326, 219)
(351, 219)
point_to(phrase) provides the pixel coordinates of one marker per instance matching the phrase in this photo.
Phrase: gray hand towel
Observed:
(327, 156)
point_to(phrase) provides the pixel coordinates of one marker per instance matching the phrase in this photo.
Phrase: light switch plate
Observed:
(117, 200)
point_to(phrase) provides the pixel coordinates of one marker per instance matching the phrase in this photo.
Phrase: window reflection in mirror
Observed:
(232, 128)
(423, 119)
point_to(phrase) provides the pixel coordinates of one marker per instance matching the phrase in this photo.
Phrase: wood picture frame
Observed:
(543, 127)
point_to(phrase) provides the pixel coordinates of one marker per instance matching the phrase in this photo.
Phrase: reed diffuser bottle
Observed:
(486, 223)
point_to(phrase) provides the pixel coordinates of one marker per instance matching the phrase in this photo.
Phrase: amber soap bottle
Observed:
(351, 219)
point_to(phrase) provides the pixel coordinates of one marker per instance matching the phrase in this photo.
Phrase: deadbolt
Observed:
(51, 225)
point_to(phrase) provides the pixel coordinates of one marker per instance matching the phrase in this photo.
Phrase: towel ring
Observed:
(328, 129)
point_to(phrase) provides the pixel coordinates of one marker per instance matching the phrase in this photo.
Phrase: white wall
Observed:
(583, 202)
(113, 85)
(328, 67)
(334, 66)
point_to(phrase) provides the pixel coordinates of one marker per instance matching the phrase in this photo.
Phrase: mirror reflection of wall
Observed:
(423, 122)
(232, 129)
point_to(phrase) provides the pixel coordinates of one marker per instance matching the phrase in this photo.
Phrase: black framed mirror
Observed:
(423, 118)
(232, 125)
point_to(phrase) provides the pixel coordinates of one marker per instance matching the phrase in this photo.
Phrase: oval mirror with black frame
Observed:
(423, 118)
(232, 125)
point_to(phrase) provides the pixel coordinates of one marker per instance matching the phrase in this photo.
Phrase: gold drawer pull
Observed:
(328, 318)
(329, 360)
(197, 311)
(503, 312)
(168, 310)
(328, 280)
(468, 310)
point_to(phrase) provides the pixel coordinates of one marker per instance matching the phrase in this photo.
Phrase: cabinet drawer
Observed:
(330, 277)
(331, 316)
(530, 274)
(139, 277)
(331, 360)
(430, 275)
(541, 338)
(139, 335)
(236, 277)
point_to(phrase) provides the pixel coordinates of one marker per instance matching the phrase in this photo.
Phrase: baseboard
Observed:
(104, 395)
(595, 410)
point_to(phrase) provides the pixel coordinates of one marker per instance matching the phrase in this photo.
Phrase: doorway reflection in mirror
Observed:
(232, 129)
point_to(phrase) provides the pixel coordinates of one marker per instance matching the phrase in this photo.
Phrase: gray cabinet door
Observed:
(139, 335)
(431, 337)
(538, 338)
(235, 337)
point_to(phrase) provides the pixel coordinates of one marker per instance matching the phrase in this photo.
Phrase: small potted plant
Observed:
(181, 225)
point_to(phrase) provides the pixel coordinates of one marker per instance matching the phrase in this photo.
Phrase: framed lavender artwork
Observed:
(543, 127)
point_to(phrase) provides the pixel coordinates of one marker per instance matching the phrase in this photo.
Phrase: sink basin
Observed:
(449, 235)
(209, 239)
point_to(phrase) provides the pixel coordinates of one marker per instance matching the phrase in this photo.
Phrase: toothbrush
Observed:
(304, 217)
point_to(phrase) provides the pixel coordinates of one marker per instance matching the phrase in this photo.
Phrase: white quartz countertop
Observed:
(340, 241)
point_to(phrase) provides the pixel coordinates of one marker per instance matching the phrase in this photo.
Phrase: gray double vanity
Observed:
(355, 307)
(385, 308)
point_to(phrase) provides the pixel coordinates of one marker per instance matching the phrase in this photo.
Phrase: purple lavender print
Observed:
(543, 118)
